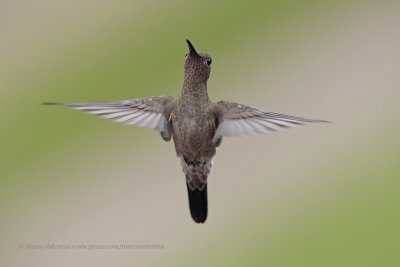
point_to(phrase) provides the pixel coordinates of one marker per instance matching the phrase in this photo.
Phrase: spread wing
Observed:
(150, 112)
(240, 120)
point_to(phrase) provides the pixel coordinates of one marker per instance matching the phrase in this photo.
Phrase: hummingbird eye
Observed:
(208, 61)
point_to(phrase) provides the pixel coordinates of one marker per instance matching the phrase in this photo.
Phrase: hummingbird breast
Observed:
(193, 128)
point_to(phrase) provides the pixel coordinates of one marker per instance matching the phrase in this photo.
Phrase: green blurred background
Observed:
(321, 195)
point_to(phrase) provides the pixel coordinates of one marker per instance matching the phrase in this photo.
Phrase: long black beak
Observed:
(192, 51)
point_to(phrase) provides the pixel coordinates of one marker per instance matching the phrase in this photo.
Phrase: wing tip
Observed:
(54, 104)
(323, 121)
(49, 103)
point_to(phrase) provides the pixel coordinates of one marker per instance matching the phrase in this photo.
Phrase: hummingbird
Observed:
(195, 123)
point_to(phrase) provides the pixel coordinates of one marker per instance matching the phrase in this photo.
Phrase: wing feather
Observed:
(151, 112)
(240, 120)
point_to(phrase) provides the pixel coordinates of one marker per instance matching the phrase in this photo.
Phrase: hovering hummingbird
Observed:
(196, 124)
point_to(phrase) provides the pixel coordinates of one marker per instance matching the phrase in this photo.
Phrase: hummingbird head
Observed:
(197, 65)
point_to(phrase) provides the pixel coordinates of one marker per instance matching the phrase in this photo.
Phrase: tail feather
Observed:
(198, 204)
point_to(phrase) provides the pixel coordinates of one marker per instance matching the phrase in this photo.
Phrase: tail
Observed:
(198, 204)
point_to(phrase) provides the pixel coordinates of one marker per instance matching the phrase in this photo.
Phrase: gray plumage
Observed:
(196, 124)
